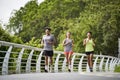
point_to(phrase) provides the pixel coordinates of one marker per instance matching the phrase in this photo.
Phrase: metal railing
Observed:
(17, 58)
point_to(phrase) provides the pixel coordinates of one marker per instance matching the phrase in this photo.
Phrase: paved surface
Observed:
(62, 76)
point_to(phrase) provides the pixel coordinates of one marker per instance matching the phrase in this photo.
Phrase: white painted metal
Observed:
(56, 63)
(28, 64)
(80, 64)
(111, 64)
(64, 65)
(106, 62)
(95, 64)
(87, 68)
(6, 61)
(114, 64)
(38, 67)
(101, 64)
(18, 67)
(72, 62)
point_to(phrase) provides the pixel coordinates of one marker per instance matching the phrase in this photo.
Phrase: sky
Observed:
(7, 6)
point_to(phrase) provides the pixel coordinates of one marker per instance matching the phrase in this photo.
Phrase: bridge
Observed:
(21, 62)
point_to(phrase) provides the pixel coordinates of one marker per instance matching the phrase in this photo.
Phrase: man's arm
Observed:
(42, 42)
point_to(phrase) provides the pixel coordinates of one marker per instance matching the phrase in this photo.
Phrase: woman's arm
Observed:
(63, 42)
(93, 43)
(72, 43)
(84, 42)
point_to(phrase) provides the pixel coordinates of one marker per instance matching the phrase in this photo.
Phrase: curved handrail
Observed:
(34, 60)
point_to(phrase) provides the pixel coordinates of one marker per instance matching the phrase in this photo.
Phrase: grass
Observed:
(117, 68)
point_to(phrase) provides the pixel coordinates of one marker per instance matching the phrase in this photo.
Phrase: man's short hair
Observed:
(48, 28)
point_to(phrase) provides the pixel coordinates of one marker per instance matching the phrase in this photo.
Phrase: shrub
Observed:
(117, 68)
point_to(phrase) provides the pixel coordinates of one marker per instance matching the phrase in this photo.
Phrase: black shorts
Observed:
(88, 53)
(48, 53)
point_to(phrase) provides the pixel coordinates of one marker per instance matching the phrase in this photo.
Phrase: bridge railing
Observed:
(17, 58)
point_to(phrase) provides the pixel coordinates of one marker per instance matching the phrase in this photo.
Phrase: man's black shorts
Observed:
(88, 53)
(48, 53)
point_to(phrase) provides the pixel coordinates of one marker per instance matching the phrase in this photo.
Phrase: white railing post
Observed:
(38, 67)
(111, 64)
(118, 62)
(56, 63)
(106, 64)
(64, 65)
(80, 64)
(72, 62)
(95, 64)
(18, 69)
(101, 64)
(114, 64)
(28, 64)
(87, 68)
(6, 61)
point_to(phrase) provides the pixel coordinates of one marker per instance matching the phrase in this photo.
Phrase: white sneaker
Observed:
(46, 68)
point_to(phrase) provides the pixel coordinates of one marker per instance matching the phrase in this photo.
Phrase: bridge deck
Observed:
(62, 76)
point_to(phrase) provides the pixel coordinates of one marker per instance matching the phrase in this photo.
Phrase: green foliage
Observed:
(117, 68)
(34, 42)
(77, 16)
(5, 36)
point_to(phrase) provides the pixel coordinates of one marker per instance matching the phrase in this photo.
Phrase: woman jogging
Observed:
(89, 49)
(68, 45)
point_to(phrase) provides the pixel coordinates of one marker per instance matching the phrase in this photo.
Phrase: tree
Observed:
(77, 16)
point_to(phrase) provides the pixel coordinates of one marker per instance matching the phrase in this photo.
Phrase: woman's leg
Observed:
(91, 60)
(66, 56)
(69, 58)
(88, 60)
